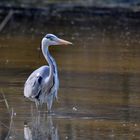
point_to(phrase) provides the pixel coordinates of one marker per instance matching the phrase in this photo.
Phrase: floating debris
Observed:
(124, 124)
(15, 114)
(135, 125)
(74, 109)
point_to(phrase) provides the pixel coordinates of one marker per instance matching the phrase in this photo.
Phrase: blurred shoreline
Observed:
(62, 14)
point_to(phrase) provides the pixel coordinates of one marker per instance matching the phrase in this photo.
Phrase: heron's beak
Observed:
(64, 42)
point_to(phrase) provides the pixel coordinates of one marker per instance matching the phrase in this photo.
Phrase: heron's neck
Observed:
(54, 65)
(48, 57)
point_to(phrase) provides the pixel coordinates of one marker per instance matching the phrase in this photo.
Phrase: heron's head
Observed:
(51, 39)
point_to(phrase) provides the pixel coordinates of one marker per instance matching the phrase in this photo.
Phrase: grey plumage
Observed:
(34, 83)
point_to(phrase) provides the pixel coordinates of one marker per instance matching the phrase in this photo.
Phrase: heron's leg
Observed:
(49, 106)
(49, 102)
(37, 104)
(56, 96)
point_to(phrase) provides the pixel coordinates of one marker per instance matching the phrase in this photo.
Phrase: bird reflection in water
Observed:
(40, 128)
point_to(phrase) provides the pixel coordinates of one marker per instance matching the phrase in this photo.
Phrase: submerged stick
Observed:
(11, 123)
(4, 125)
(6, 19)
(5, 100)
(11, 112)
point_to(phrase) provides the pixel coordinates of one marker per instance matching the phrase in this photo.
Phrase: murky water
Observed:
(99, 86)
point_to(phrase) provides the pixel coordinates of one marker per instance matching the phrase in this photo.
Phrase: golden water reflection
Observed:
(99, 83)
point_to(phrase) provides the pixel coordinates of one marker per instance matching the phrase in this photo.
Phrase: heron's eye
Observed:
(51, 38)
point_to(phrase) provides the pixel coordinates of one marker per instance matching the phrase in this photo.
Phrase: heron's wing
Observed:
(35, 82)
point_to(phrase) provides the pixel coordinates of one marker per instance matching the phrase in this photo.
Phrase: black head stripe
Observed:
(50, 36)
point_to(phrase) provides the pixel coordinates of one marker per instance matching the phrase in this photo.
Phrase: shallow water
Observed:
(99, 85)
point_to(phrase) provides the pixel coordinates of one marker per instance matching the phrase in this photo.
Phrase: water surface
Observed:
(99, 85)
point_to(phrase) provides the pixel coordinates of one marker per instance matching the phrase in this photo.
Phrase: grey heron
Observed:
(43, 83)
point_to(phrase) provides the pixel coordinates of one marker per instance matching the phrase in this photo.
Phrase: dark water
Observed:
(99, 85)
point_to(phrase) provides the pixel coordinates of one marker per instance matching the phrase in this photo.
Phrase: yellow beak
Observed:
(64, 42)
